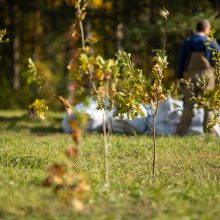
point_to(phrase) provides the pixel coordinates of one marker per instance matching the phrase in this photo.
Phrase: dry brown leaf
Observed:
(72, 153)
(47, 182)
(81, 189)
(69, 179)
(77, 205)
(76, 132)
(57, 180)
(73, 125)
(76, 136)
(66, 104)
(84, 186)
(56, 170)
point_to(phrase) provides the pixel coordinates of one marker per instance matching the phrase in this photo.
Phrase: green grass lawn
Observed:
(187, 184)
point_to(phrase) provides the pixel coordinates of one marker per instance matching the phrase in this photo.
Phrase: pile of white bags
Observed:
(168, 117)
(127, 126)
(95, 122)
(95, 117)
(169, 114)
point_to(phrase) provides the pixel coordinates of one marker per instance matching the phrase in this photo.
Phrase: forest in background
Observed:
(40, 29)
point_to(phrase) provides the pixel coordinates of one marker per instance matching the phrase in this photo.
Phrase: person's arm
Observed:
(182, 58)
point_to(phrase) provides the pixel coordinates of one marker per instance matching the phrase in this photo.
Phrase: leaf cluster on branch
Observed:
(135, 89)
(2, 36)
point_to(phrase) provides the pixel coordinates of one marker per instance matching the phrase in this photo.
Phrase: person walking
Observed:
(196, 61)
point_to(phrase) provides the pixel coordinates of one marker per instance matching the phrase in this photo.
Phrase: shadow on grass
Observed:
(40, 130)
(51, 125)
(36, 126)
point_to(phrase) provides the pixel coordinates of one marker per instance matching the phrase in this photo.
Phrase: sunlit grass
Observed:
(187, 184)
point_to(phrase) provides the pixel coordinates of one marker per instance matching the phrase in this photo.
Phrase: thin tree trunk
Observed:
(105, 148)
(154, 148)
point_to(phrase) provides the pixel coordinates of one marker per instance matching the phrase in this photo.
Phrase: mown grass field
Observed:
(187, 185)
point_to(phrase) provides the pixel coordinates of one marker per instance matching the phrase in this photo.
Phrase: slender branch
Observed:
(157, 105)
(165, 36)
(81, 24)
(108, 121)
(147, 123)
(82, 34)
(156, 108)
(151, 110)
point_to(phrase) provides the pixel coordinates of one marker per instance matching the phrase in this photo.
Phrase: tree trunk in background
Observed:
(119, 23)
(34, 32)
(120, 35)
(217, 10)
(16, 48)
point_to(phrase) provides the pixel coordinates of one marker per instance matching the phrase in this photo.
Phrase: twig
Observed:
(81, 24)
(147, 123)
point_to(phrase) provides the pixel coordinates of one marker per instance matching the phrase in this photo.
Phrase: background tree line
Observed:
(40, 29)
